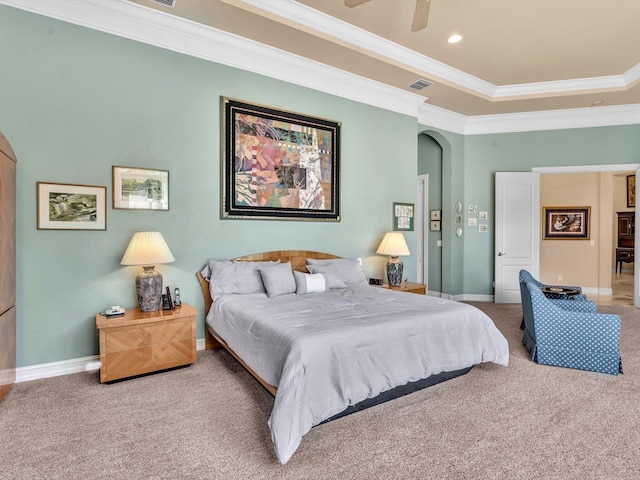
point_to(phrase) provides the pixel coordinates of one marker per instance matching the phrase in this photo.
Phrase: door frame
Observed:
(620, 167)
(422, 231)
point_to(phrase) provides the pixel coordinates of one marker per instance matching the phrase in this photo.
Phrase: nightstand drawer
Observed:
(149, 359)
(126, 338)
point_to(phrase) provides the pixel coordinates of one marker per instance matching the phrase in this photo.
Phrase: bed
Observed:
(308, 327)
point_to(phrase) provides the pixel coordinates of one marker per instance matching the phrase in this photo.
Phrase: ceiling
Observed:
(515, 55)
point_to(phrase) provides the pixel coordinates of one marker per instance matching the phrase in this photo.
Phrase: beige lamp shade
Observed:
(147, 248)
(393, 244)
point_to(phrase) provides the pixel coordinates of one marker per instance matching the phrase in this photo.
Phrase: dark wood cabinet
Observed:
(625, 251)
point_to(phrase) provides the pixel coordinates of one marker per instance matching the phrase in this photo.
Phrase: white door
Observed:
(422, 228)
(517, 231)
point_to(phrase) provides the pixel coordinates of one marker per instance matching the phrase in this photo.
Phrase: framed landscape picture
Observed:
(71, 207)
(566, 223)
(140, 188)
(278, 164)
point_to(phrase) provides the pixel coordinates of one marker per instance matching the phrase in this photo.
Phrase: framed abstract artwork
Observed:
(278, 164)
(71, 207)
(566, 223)
(140, 188)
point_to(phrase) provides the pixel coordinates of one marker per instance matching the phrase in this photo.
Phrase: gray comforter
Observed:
(326, 351)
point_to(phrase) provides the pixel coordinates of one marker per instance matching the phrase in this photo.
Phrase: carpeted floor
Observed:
(209, 421)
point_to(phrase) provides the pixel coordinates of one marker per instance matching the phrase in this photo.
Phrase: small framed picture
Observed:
(435, 214)
(457, 219)
(435, 225)
(483, 228)
(403, 216)
(566, 223)
(483, 215)
(631, 191)
(71, 207)
(140, 188)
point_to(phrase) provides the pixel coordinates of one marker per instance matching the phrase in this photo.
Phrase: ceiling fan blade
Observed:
(354, 3)
(421, 15)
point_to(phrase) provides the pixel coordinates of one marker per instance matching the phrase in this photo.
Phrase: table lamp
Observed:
(148, 249)
(394, 244)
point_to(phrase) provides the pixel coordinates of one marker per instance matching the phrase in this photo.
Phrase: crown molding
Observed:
(553, 120)
(314, 20)
(327, 26)
(153, 27)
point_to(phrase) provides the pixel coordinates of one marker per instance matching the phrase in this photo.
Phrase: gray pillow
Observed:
(235, 277)
(347, 270)
(310, 282)
(278, 279)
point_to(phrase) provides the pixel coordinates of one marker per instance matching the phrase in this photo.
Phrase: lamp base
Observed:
(149, 289)
(394, 271)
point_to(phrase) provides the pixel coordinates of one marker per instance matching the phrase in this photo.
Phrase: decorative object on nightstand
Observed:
(148, 249)
(394, 245)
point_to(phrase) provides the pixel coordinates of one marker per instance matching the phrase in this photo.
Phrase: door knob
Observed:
(500, 254)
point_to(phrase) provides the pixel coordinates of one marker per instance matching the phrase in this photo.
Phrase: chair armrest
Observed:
(586, 306)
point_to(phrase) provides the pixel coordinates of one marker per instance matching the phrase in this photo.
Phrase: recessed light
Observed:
(454, 38)
(596, 103)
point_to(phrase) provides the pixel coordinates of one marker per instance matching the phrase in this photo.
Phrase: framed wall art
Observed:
(278, 164)
(140, 188)
(631, 191)
(71, 207)
(566, 223)
(403, 216)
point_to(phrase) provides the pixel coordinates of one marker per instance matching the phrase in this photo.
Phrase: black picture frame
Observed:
(278, 165)
(566, 223)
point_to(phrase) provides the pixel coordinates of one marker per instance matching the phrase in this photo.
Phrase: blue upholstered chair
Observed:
(570, 334)
(525, 276)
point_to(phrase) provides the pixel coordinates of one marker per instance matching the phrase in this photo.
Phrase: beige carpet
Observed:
(525, 421)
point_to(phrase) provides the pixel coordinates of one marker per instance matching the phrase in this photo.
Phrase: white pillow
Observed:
(346, 269)
(310, 283)
(278, 279)
(235, 277)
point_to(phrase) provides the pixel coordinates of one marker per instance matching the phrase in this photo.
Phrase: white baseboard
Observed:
(66, 367)
(55, 369)
(462, 297)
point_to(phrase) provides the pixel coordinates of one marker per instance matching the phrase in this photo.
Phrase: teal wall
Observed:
(511, 152)
(75, 102)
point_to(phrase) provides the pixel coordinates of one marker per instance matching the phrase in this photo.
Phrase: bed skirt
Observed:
(399, 391)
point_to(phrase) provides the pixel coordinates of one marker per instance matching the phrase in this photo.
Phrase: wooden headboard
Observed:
(298, 259)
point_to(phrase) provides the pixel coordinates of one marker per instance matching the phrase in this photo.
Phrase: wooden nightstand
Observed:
(144, 342)
(409, 287)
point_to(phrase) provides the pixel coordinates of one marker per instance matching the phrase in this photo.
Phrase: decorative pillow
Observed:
(278, 279)
(346, 269)
(310, 283)
(235, 277)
